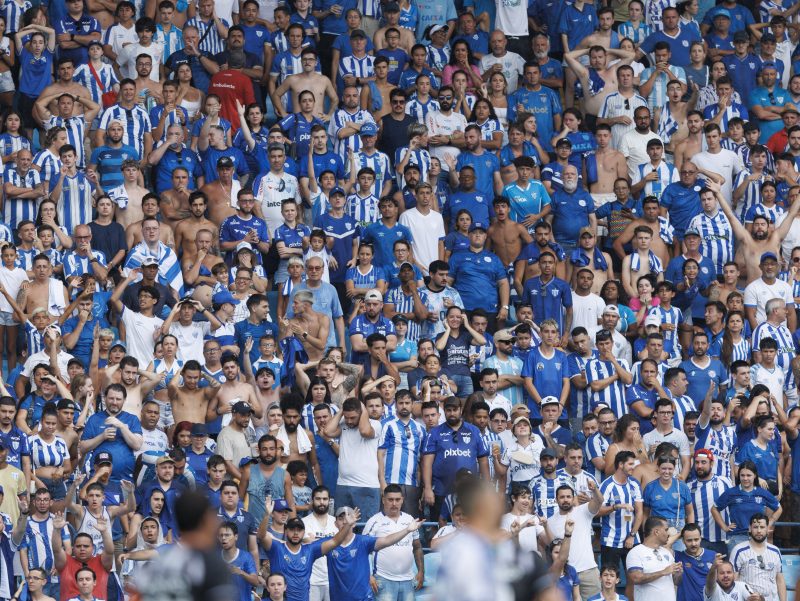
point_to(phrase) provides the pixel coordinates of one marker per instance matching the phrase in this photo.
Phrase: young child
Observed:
(396, 56)
(317, 248)
(268, 358)
(11, 279)
(362, 205)
(303, 16)
(670, 318)
(767, 208)
(609, 575)
(298, 472)
(47, 239)
(220, 273)
(296, 277)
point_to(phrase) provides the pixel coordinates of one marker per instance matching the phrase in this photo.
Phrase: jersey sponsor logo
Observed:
(457, 453)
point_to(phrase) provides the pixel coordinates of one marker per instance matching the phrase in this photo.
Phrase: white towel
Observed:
(303, 442)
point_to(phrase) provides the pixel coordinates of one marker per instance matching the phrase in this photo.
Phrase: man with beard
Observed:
(296, 560)
(320, 524)
(22, 190)
(720, 439)
(265, 479)
(446, 128)
(589, 257)
(634, 143)
(721, 583)
(309, 325)
(706, 487)
(188, 226)
(232, 392)
(486, 172)
(761, 242)
(346, 123)
(622, 512)
(758, 563)
(573, 209)
(399, 452)
(189, 401)
(651, 566)
(171, 154)
(407, 195)
(296, 441)
(526, 265)
(581, 556)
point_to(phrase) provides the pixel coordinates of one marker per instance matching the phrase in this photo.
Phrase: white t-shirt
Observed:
(581, 556)
(649, 560)
(654, 438)
(444, 125)
(358, 457)
(153, 440)
(739, 592)
(522, 472)
(512, 17)
(792, 238)
(634, 146)
(315, 530)
(586, 310)
(190, 339)
(758, 293)
(12, 280)
(395, 563)
(498, 402)
(528, 537)
(725, 163)
(139, 335)
(513, 65)
(427, 230)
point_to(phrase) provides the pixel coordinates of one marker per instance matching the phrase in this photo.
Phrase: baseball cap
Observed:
(294, 523)
(548, 452)
(652, 320)
(504, 335)
(224, 162)
(336, 190)
(398, 318)
(477, 226)
(199, 430)
(405, 264)
(612, 309)
(452, 402)
(148, 261)
(66, 404)
(433, 29)
(222, 297)
(373, 295)
(691, 232)
(344, 509)
(54, 327)
(768, 65)
(741, 36)
(120, 344)
(94, 43)
(164, 459)
(243, 246)
(520, 407)
(720, 12)
(550, 400)
(564, 142)
(281, 505)
(519, 419)
(767, 256)
(790, 109)
(369, 129)
(586, 230)
(242, 408)
(102, 457)
(357, 33)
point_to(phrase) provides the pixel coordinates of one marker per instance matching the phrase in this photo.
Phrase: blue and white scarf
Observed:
(579, 259)
(655, 263)
(169, 268)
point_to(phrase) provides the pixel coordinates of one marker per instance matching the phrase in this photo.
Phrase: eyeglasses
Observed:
(627, 104)
(212, 350)
(761, 563)
(611, 423)
(445, 97)
(456, 439)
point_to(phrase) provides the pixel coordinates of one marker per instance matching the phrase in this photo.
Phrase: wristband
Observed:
(567, 536)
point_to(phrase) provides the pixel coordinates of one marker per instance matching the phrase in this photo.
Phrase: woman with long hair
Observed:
(48, 215)
(50, 460)
(613, 293)
(170, 366)
(12, 139)
(582, 141)
(484, 116)
(317, 393)
(497, 95)
(454, 345)
(182, 435)
(461, 59)
(364, 275)
(189, 97)
(458, 238)
(627, 437)
(735, 346)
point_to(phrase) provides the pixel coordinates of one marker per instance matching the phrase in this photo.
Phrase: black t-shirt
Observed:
(109, 239)
(181, 574)
(394, 134)
(130, 298)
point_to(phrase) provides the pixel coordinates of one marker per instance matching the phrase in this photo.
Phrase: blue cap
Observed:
(281, 505)
(222, 297)
(720, 12)
(369, 129)
(199, 430)
(767, 256)
(119, 343)
(477, 226)
(768, 65)
(336, 190)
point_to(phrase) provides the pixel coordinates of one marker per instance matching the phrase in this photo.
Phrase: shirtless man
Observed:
(186, 230)
(730, 282)
(342, 378)
(144, 66)
(381, 67)
(133, 233)
(129, 377)
(308, 325)
(650, 218)
(231, 392)
(197, 262)
(221, 195)
(316, 83)
(300, 445)
(604, 167)
(598, 80)
(391, 15)
(65, 85)
(526, 265)
(641, 261)
(506, 237)
(128, 197)
(174, 205)
(671, 118)
(591, 258)
(189, 401)
(750, 247)
(694, 141)
(43, 290)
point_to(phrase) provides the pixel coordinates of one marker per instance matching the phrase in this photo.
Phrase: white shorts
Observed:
(603, 198)
(6, 82)
(319, 592)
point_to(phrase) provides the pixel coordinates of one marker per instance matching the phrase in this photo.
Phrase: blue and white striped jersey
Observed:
(20, 209)
(379, 163)
(543, 491)
(211, 43)
(340, 119)
(704, 496)
(403, 445)
(617, 525)
(363, 209)
(12, 13)
(83, 75)
(357, 67)
(37, 543)
(421, 158)
(419, 110)
(612, 396)
(33, 338)
(752, 193)
(722, 443)
(672, 316)
(136, 123)
(404, 303)
(171, 40)
(75, 264)
(9, 144)
(716, 237)
(76, 133)
(49, 167)
(667, 174)
(47, 454)
(595, 446)
(75, 204)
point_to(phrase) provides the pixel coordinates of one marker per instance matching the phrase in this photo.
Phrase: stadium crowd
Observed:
(341, 300)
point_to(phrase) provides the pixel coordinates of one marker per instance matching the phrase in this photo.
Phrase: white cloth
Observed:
(139, 335)
(649, 560)
(634, 147)
(581, 556)
(303, 443)
(395, 563)
(513, 65)
(316, 531)
(358, 457)
(427, 230)
(586, 310)
(725, 163)
(758, 293)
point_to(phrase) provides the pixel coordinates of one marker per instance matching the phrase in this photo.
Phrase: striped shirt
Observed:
(759, 569)
(716, 237)
(357, 67)
(75, 264)
(617, 525)
(612, 396)
(37, 543)
(285, 64)
(752, 193)
(83, 75)
(438, 58)
(136, 124)
(171, 41)
(380, 164)
(577, 482)
(75, 204)
(307, 416)
(363, 209)
(33, 338)
(20, 209)
(672, 316)
(48, 454)
(488, 128)
(76, 133)
(9, 144)
(683, 405)
(596, 446)
(773, 213)
(511, 367)
(403, 446)
(636, 34)
(211, 43)
(365, 280)
(489, 438)
(435, 304)
(49, 167)
(704, 496)
(722, 443)
(579, 399)
(12, 14)
(419, 110)
(543, 491)
(340, 120)
(667, 174)
(421, 158)
(404, 303)
(369, 8)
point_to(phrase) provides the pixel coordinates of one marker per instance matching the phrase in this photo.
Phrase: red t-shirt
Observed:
(69, 588)
(232, 85)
